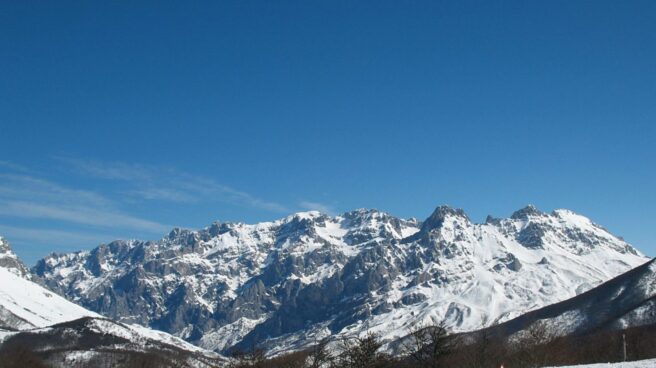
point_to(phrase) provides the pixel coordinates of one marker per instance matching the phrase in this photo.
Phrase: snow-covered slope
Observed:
(287, 283)
(24, 304)
(628, 300)
(30, 313)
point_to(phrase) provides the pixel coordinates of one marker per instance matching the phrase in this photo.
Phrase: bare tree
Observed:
(530, 345)
(361, 352)
(426, 345)
(253, 358)
(18, 357)
(482, 353)
(319, 355)
(483, 350)
(291, 360)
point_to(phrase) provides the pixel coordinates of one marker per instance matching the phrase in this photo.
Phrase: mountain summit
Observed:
(436, 220)
(10, 261)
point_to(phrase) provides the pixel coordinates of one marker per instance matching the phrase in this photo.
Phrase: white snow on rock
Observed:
(470, 275)
(34, 305)
(9, 260)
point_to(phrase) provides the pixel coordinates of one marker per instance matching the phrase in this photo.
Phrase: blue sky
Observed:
(123, 120)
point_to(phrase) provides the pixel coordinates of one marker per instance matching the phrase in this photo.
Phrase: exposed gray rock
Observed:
(9, 260)
(526, 213)
(531, 236)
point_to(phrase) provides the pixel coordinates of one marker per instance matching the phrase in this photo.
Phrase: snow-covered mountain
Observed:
(288, 283)
(33, 318)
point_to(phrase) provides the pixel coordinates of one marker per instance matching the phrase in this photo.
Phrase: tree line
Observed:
(429, 346)
(433, 347)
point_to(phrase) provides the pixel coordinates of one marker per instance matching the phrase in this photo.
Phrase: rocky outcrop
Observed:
(10, 261)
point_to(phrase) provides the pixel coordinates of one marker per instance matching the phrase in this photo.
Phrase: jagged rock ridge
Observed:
(287, 283)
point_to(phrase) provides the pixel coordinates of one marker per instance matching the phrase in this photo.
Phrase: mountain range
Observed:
(286, 284)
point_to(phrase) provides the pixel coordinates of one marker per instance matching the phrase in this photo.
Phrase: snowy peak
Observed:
(526, 213)
(442, 215)
(561, 229)
(10, 261)
(574, 220)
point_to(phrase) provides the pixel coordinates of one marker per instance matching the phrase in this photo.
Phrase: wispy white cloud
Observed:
(211, 190)
(32, 206)
(12, 166)
(23, 196)
(316, 206)
(79, 215)
(25, 187)
(167, 184)
(109, 170)
(36, 210)
(163, 194)
(53, 237)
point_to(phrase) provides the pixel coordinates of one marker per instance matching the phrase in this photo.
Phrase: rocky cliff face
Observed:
(10, 261)
(287, 283)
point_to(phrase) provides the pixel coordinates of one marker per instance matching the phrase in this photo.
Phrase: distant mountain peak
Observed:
(436, 220)
(526, 212)
(441, 213)
(305, 215)
(10, 261)
(491, 220)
